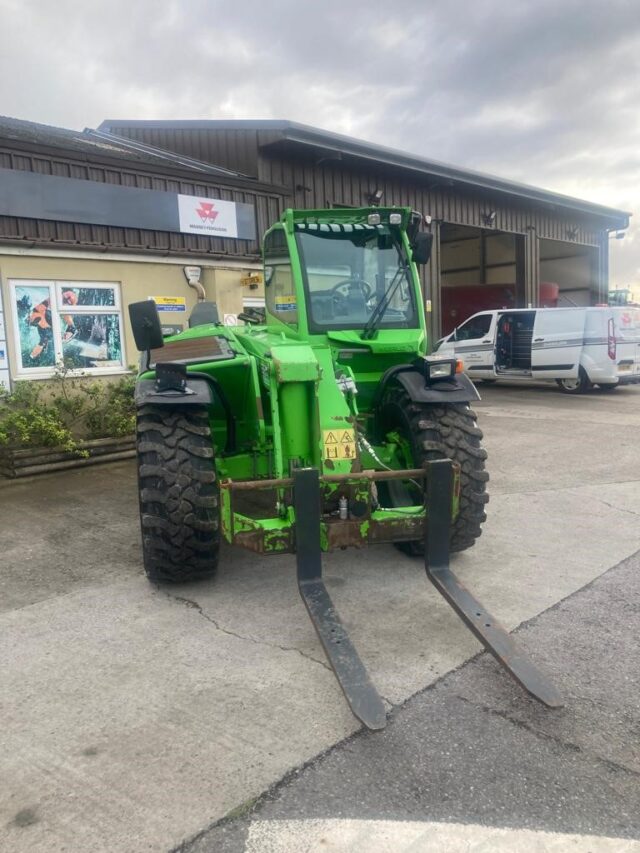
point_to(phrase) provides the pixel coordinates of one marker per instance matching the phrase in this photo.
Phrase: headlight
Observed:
(395, 219)
(373, 219)
(441, 369)
(436, 368)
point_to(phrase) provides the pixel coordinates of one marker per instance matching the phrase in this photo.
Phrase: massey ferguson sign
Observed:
(208, 216)
(34, 196)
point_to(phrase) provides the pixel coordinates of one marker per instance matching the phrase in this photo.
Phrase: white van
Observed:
(578, 347)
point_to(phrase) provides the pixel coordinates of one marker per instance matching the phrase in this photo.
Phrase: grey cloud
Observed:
(547, 92)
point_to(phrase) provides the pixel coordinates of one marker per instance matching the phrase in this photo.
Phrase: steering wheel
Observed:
(364, 286)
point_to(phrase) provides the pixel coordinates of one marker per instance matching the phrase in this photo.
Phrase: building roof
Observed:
(301, 135)
(100, 143)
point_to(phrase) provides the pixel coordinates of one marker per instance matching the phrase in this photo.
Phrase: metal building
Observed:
(487, 230)
(92, 220)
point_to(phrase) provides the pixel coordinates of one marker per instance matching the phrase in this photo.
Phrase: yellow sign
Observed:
(170, 303)
(339, 443)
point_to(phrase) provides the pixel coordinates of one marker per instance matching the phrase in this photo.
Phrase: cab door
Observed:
(556, 347)
(474, 343)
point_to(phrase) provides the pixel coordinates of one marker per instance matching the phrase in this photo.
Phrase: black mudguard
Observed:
(460, 389)
(199, 393)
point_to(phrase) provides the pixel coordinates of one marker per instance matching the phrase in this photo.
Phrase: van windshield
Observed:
(346, 270)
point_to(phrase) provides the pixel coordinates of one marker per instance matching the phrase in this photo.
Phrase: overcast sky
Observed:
(544, 92)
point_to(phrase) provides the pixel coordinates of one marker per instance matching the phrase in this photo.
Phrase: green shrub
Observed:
(26, 420)
(61, 411)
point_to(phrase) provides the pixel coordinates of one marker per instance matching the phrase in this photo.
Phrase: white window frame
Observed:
(56, 288)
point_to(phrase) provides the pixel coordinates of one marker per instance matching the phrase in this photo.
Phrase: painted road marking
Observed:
(388, 836)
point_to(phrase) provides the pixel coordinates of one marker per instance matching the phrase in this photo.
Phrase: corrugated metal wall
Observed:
(314, 178)
(232, 149)
(268, 207)
(348, 183)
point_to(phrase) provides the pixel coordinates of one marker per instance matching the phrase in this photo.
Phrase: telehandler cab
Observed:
(326, 426)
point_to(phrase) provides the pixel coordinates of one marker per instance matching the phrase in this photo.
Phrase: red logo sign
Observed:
(206, 211)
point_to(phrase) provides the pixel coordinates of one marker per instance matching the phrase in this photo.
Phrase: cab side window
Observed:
(475, 327)
(280, 291)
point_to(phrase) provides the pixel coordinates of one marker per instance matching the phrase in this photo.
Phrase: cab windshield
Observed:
(347, 270)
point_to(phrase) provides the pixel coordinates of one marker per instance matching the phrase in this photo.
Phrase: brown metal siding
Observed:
(314, 178)
(319, 186)
(231, 149)
(268, 207)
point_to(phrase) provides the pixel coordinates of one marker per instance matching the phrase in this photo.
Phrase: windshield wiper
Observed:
(378, 312)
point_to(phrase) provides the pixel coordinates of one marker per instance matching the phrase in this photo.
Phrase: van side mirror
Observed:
(145, 324)
(421, 247)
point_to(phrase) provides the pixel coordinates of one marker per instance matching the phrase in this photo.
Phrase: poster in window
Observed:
(35, 331)
(91, 340)
(88, 296)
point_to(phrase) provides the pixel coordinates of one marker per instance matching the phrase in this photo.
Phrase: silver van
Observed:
(578, 347)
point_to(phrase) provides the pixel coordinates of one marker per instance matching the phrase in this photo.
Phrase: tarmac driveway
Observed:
(133, 717)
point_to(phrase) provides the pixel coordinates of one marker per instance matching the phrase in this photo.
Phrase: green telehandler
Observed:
(321, 425)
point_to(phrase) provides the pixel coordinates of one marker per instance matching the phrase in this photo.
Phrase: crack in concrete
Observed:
(193, 605)
(558, 741)
(617, 508)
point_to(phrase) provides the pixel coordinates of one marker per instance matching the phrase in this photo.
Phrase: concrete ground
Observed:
(134, 717)
(471, 765)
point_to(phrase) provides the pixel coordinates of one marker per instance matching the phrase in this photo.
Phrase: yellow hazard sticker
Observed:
(339, 443)
(286, 303)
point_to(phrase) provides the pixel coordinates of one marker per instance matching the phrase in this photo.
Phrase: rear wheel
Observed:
(580, 385)
(179, 494)
(441, 431)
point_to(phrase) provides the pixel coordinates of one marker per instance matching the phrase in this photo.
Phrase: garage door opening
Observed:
(479, 269)
(573, 268)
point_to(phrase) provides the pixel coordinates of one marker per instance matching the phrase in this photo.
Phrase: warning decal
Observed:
(286, 303)
(339, 443)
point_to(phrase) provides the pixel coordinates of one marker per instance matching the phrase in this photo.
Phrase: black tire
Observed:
(575, 386)
(608, 386)
(179, 494)
(444, 431)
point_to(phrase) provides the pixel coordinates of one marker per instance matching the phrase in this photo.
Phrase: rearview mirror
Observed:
(145, 324)
(421, 247)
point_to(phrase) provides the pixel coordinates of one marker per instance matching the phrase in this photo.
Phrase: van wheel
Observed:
(609, 386)
(580, 385)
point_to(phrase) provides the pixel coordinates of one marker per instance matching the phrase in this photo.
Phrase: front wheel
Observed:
(179, 494)
(580, 385)
(439, 431)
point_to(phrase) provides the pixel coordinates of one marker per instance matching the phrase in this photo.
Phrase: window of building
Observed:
(76, 323)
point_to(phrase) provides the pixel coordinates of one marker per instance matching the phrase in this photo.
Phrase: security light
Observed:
(192, 274)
